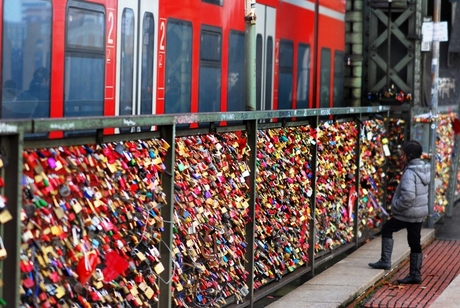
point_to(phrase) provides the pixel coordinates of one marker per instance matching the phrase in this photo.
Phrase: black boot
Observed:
(385, 259)
(415, 272)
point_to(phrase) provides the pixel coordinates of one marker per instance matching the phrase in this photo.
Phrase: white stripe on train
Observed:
(322, 10)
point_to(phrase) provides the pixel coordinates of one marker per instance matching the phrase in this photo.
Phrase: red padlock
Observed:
(46, 305)
(28, 283)
(115, 265)
(87, 265)
(42, 296)
(26, 266)
(139, 278)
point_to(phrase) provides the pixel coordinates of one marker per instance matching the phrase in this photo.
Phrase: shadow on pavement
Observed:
(448, 228)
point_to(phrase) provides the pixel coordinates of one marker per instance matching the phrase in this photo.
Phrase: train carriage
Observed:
(120, 57)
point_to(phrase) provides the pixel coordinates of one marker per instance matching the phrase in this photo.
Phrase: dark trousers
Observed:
(414, 230)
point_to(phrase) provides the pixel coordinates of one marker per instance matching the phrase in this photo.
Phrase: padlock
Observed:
(5, 216)
(64, 191)
(107, 225)
(158, 268)
(3, 252)
(140, 255)
(76, 206)
(97, 193)
(98, 284)
(28, 282)
(86, 265)
(88, 192)
(98, 275)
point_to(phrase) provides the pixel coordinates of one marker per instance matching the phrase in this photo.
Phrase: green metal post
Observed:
(12, 145)
(168, 133)
(434, 108)
(312, 228)
(357, 181)
(252, 128)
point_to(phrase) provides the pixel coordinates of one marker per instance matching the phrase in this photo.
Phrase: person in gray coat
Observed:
(409, 207)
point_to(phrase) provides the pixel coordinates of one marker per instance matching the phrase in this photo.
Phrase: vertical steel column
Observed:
(312, 227)
(250, 53)
(384, 186)
(357, 180)
(168, 133)
(250, 45)
(252, 127)
(11, 146)
(434, 107)
(388, 46)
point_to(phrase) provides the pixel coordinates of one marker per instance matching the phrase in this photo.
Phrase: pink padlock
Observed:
(52, 163)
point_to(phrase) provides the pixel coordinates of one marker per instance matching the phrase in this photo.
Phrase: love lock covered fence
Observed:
(205, 217)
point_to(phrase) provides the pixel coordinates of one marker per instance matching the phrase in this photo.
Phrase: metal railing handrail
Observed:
(44, 125)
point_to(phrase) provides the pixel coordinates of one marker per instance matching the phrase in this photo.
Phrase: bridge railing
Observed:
(221, 213)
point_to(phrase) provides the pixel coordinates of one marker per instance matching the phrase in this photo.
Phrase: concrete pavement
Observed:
(450, 296)
(342, 283)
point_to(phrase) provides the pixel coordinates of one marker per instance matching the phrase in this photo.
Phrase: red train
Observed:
(63, 58)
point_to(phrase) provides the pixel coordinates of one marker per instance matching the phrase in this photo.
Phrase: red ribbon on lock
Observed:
(87, 265)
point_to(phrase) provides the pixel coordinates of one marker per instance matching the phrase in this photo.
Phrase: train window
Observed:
(325, 78)
(303, 76)
(266, 76)
(269, 74)
(178, 66)
(338, 78)
(147, 64)
(236, 100)
(126, 93)
(26, 57)
(259, 57)
(285, 76)
(216, 2)
(210, 49)
(84, 60)
(210, 70)
(85, 29)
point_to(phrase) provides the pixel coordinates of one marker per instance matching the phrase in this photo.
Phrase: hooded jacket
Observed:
(410, 200)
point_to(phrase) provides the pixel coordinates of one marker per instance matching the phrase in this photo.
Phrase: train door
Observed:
(136, 57)
(265, 52)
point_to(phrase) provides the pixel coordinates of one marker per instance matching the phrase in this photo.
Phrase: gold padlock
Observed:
(134, 291)
(60, 292)
(158, 268)
(76, 206)
(140, 255)
(178, 287)
(5, 216)
(149, 293)
(98, 284)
